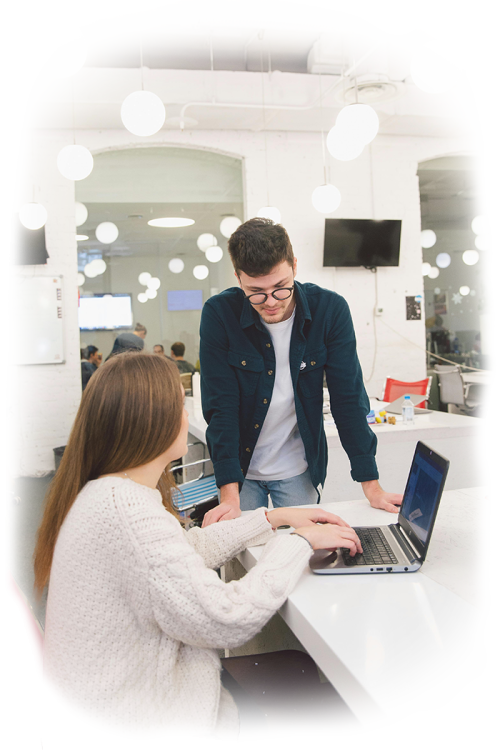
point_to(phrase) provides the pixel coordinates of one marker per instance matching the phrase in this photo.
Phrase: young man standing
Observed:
(263, 351)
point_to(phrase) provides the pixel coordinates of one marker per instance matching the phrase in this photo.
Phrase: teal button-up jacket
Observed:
(237, 366)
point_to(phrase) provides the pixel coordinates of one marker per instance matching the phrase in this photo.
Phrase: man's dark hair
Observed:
(139, 327)
(91, 349)
(258, 246)
(161, 347)
(178, 349)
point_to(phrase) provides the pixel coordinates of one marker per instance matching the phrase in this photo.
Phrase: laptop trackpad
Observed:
(324, 558)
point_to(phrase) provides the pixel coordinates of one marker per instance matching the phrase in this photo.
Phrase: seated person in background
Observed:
(136, 610)
(159, 349)
(177, 354)
(126, 341)
(89, 363)
(140, 331)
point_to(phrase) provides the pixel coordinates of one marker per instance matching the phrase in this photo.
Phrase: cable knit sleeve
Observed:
(189, 601)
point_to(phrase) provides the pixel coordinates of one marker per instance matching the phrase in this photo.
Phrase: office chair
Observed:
(395, 388)
(453, 390)
(197, 495)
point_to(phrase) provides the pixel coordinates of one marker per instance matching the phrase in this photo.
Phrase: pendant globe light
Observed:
(200, 272)
(359, 122)
(431, 72)
(229, 225)
(67, 60)
(75, 162)
(142, 112)
(470, 257)
(33, 215)
(144, 278)
(268, 211)
(342, 145)
(205, 241)
(325, 198)
(427, 238)
(106, 232)
(176, 265)
(214, 254)
(443, 260)
(81, 213)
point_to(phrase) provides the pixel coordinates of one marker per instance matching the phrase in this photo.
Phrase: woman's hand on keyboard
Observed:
(331, 536)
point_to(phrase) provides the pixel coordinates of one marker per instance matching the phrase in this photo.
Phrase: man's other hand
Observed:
(389, 501)
(222, 512)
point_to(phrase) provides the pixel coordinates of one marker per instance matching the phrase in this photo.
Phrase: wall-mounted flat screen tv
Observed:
(105, 312)
(27, 246)
(362, 242)
(184, 299)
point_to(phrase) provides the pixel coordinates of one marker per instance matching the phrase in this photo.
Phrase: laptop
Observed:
(400, 547)
(396, 407)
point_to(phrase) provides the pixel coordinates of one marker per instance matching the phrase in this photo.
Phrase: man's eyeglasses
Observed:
(260, 297)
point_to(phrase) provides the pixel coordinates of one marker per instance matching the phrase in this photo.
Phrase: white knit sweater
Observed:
(135, 610)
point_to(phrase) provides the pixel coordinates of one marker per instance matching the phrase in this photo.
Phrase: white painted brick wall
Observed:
(49, 395)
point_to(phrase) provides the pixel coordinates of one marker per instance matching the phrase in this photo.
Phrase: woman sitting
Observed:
(136, 609)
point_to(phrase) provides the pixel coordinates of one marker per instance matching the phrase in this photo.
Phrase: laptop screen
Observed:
(422, 494)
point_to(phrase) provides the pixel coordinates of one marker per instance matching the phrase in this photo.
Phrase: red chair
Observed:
(396, 388)
(31, 623)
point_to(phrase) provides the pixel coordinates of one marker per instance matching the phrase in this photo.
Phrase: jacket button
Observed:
(265, 401)
(268, 346)
(243, 363)
(256, 426)
(247, 450)
(269, 372)
(313, 363)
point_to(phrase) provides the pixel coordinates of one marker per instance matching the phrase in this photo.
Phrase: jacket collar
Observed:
(249, 316)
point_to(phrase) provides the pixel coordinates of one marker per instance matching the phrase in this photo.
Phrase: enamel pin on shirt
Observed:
(302, 365)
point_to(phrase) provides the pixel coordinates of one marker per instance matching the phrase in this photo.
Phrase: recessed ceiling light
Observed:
(81, 237)
(171, 222)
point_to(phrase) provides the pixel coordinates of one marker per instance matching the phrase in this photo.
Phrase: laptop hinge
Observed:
(404, 542)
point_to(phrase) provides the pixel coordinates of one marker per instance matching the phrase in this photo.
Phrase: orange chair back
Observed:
(396, 388)
(31, 625)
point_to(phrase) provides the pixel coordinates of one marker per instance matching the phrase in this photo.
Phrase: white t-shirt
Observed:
(279, 453)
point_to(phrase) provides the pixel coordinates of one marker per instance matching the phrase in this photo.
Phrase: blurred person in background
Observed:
(177, 354)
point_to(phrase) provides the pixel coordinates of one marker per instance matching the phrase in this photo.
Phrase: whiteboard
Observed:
(39, 303)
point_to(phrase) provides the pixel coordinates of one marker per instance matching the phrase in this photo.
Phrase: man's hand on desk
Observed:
(389, 501)
(229, 506)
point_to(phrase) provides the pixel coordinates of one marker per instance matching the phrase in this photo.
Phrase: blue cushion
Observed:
(193, 494)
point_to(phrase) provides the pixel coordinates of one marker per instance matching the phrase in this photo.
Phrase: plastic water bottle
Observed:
(408, 411)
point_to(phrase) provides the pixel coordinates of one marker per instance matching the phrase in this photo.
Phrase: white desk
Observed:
(477, 378)
(368, 633)
(453, 435)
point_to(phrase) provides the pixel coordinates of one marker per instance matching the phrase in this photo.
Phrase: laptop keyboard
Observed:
(376, 549)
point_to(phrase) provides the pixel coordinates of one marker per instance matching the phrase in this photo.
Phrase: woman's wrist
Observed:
(275, 517)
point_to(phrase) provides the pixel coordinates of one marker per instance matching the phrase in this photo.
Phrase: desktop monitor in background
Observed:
(30, 249)
(361, 242)
(185, 299)
(105, 312)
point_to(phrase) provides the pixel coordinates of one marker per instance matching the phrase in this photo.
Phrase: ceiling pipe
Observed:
(278, 107)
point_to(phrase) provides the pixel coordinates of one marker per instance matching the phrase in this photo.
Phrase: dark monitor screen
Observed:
(362, 242)
(31, 249)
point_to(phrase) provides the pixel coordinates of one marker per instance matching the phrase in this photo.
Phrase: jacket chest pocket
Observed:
(248, 368)
(311, 376)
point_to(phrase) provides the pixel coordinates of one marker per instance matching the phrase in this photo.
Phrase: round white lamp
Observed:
(144, 278)
(433, 272)
(100, 266)
(437, 290)
(360, 121)
(143, 113)
(269, 212)
(154, 283)
(427, 238)
(200, 272)
(342, 146)
(431, 72)
(106, 232)
(479, 225)
(151, 293)
(426, 267)
(171, 221)
(443, 260)
(75, 162)
(464, 290)
(176, 265)
(482, 242)
(470, 257)
(90, 270)
(81, 237)
(81, 213)
(205, 241)
(67, 60)
(33, 215)
(214, 254)
(80, 278)
(142, 297)
(326, 198)
(229, 225)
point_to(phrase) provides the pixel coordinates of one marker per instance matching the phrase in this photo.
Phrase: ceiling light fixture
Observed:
(426, 267)
(75, 162)
(427, 238)
(433, 272)
(106, 232)
(154, 283)
(142, 112)
(325, 198)
(151, 293)
(470, 257)
(443, 260)
(80, 278)
(200, 272)
(33, 215)
(205, 241)
(479, 225)
(81, 213)
(142, 297)
(81, 237)
(464, 290)
(214, 254)
(359, 122)
(229, 225)
(176, 265)
(266, 212)
(171, 221)
(144, 277)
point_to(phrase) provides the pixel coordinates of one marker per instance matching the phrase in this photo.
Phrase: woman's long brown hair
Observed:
(130, 413)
